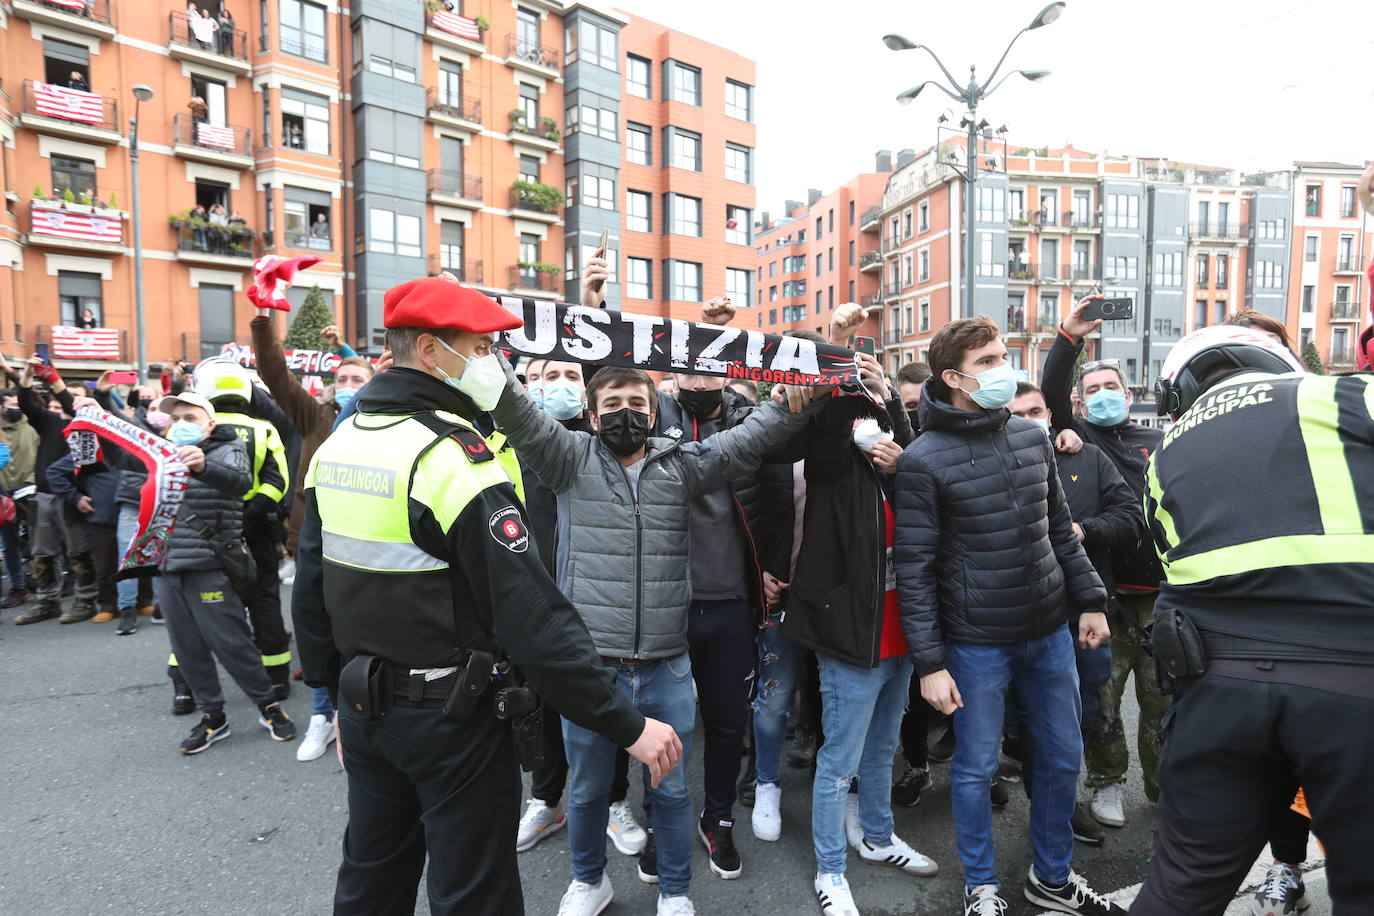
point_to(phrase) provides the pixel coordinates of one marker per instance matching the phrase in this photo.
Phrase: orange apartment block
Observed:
(822, 254)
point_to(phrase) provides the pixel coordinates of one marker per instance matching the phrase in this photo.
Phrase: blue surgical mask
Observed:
(996, 387)
(536, 393)
(1106, 407)
(563, 400)
(344, 396)
(184, 432)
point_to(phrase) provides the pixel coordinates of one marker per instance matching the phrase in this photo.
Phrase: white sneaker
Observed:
(677, 905)
(586, 899)
(767, 819)
(286, 569)
(899, 855)
(832, 891)
(317, 739)
(625, 831)
(1108, 805)
(853, 830)
(983, 900)
(538, 822)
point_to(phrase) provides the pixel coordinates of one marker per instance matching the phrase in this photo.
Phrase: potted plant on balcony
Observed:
(517, 121)
(546, 198)
(482, 23)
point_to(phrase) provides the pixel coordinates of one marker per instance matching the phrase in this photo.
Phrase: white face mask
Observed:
(1041, 422)
(867, 434)
(483, 380)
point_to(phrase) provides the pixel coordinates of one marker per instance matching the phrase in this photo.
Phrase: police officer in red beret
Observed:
(418, 598)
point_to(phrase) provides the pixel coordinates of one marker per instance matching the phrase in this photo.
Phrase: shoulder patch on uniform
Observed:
(508, 529)
(474, 446)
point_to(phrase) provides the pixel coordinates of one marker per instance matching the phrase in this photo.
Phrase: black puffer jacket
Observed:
(984, 545)
(215, 495)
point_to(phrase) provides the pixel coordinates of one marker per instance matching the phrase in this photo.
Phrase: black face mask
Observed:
(915, 417)
(13, 415)
(700, 403)
(624, 431)
(145, 403)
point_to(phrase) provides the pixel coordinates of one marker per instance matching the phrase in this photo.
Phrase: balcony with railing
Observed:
(1218, 232)
(1346, 310)
(220, 144)
(317, 238)
(538, 278)
(54, 109)
(872, 219)
(1047, 322)
(872, 300)
(89, 17)
(1349, 264)
(205, 41)
(536, 200)
(1341, 358)
(453, 187)
(1048, 220)
(56, 223)
(1082, 221)
(466, 269)
(870, 260)
(457, 30)
(1022, 272)
(72, 346)
(453, 109)
(892, 289)
(525, 54)
(543, 135)
(1079, 273)
(207, 243)
(892, 337)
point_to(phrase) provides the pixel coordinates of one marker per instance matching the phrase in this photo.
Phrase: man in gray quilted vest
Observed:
(624, 505)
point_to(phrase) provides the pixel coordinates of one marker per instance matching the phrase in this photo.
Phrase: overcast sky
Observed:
(1226, 82)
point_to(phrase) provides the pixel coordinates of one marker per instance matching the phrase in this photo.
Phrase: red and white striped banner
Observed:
(212, 135)
(71, 104)
(83, 227)
(454, 24)
(85, 343)
(78, 5)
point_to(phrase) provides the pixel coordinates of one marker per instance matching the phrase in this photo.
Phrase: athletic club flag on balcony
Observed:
(81, 227)
(85, 343)
(70, 104)
(454, 24)
(214, 135)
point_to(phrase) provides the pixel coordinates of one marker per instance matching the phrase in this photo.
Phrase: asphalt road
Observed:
(99, 813)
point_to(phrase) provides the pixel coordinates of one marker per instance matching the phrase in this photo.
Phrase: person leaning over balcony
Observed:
(320, 228)
(224, 35)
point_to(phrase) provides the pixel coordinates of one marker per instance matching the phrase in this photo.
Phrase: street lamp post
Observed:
(970, 96)
(142, 93)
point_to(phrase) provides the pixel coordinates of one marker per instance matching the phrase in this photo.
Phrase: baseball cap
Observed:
(186, 397)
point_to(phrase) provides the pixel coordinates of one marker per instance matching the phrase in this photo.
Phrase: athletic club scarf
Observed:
(160, 498)
(657, 344)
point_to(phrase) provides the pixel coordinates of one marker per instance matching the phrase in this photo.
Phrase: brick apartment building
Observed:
(1328, 304)
(393, 139)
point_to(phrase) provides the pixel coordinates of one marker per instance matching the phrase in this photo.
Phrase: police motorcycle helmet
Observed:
(1204, 357)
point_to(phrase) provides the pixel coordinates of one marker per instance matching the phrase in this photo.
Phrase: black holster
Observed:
(527, 727)
(1178, 650)
(471, 682)
(365, 685)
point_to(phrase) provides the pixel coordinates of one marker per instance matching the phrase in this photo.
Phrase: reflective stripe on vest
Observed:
(259, 432)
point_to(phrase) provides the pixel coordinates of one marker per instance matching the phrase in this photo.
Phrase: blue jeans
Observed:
(127, 528)
(14, 556)
(663, 691)
(861, 715)
(319, 703)
(1044, 674)
(779, 664)
(1094, 670)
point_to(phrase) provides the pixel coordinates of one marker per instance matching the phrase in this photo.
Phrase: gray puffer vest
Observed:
(215, 495)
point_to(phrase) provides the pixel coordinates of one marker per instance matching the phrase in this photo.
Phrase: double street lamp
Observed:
(142, 93)
(970, 96)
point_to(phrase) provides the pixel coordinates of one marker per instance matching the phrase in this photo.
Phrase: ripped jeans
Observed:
(861, 716)
(780, 661)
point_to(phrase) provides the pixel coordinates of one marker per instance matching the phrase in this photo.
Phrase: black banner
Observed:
(656, 344)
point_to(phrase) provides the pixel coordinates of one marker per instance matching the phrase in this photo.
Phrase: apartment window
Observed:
(1203, 263)
(1340, 343)
(1082, 207)
(851, 213)
(591, 44)
(638, 144)
(686, 281)
(1169, 268)
(593, 115)
(451, 239)
(830, 297)
(894, 234)
(304, 121)
(924, 256)
(686, 216)
(851, 291)
(216, 317)
(830, 259)
(639, 276)
(819, 229)
(1223, 271)
(1123, 211)
(738, 224)
(389, 51)
(78, 292)
(60, 58)
(739, 284)
(686, 83)
(637, 76)
(906, 224)
(924, 211)
(738, 166)
(529, 104)
(1347, 201)
(794, 313)
(793, 263)
(1016, 203)
(1121, 268)
(906, 270)
(394, 138)
(906, 320)
(76, 175)
(1308, 297)
(1314, 200)
(302, 209)
(772, 316)
(772, 294)
(302, 29)
(526, 31)
(988, 265)
(851, 253)
(638, 211)
(529, 256)
(1343, 295)
(772, 268)
(1200, 313)
(925, 315)
(793, 289)
(1345, 253)
(529, 169)
(686, 150)
(1309, 252)
(819, 264)
(393, 233)
(739, 100)
(819, 300)
(992, 207)
(597, 191)
(451, 85)
(830, 220)
(1268, 275)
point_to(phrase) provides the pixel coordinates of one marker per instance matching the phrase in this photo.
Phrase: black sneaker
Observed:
(1074, 897)
(183, 704)
(275, 720)
(46, 610)
(999, 794)
(128, 621)
(1086, 829)
(719, 839)
(803, 753)
(910, 785)
(157, 615)
(942, 751)
(648, 860)
(16, 597)
(207, 731)
(745, 792)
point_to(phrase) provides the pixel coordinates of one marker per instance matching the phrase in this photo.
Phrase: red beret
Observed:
(442, 302)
